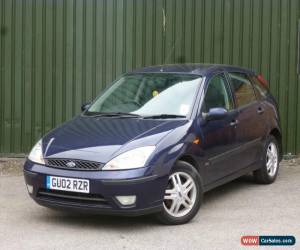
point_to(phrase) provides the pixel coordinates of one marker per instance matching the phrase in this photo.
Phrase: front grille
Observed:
(72, 198)
(73, 164)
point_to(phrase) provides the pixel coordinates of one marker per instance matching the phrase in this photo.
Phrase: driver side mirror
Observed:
(85, 106)
(215, 114)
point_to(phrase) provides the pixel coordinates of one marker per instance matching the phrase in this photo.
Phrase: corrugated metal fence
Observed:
(57, 54)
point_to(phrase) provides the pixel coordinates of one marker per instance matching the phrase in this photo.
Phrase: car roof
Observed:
(195, 69)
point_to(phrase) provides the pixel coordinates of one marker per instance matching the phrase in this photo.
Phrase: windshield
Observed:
(149, 95)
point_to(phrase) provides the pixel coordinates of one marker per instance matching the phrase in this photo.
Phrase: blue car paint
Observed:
(101, 139)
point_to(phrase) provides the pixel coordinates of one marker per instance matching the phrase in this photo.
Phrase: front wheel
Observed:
(183, 195)
(269, 169)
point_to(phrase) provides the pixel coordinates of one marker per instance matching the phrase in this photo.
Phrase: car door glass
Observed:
(243, 90)
(217, 95)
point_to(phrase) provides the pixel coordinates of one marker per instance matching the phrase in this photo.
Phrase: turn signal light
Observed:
(197, 141)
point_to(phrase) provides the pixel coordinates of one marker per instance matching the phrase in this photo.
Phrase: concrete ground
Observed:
(230, 211)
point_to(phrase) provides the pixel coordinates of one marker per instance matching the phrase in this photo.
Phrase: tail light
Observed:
(262, 80)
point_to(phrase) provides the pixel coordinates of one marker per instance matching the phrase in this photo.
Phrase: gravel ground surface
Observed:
(11, 166)
(230, 211)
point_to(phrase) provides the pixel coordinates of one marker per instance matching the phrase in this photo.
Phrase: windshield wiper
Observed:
(124, 114)
(112, 114)
(163, 116)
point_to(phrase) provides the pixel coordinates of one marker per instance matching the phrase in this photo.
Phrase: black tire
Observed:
(163, 216)
(262, 176)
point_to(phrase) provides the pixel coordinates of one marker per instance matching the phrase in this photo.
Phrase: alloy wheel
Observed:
(180, 195)
(272, 159)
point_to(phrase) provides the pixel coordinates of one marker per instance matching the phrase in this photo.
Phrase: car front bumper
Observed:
(104, 187)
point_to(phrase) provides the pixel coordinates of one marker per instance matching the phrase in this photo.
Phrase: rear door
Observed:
(251, 126)
(219, 136)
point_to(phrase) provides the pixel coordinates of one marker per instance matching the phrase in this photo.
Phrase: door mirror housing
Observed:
(215, 114)
(85, 106)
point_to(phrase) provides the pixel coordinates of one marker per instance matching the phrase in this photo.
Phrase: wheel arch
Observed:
(190, 159)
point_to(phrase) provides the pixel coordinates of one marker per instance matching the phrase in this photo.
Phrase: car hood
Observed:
(101, 138)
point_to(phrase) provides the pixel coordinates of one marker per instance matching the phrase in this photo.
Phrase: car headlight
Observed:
(36, 154)
(135, 158)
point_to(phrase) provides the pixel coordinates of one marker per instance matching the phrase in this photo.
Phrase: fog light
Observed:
(29, 188)
(126, 200)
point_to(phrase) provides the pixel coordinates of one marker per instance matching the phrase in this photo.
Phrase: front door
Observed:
(219, 136)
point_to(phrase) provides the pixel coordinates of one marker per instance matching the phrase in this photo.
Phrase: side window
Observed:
(217, 95)
(243, 90)
(260, 90)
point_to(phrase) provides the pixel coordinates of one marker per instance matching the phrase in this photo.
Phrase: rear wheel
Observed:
(269, 169)
(183, 195)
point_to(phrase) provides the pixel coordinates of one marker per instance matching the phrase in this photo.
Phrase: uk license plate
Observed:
(68, 184)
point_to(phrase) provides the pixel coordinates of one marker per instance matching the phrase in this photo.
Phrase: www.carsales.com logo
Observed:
(250, 240)
(268, 240)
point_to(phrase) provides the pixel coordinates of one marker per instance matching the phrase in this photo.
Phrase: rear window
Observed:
(243, 90)
(260, 89)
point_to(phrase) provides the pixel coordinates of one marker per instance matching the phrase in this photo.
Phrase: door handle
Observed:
(234, 122)
(260, 110)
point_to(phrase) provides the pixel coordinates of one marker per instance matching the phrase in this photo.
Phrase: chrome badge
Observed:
(71, 164)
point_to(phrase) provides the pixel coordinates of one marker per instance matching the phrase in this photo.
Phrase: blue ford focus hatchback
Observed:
(156, 140)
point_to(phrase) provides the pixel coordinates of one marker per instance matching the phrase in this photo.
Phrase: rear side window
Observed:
(242, 88)
(260, 89)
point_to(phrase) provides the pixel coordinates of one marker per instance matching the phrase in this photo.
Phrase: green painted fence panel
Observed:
(57, 54)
